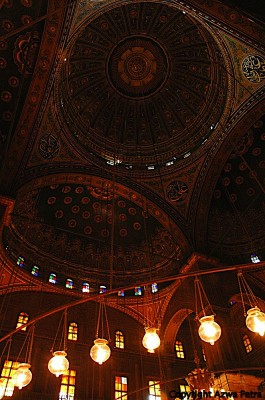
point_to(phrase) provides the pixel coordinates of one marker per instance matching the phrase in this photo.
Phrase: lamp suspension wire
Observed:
(58, 329)
(200, 292)
(247, 291)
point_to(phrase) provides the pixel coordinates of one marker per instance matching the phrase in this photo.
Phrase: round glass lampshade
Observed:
(255, 321)
(22, 376)
(58, 364)
(151, 340)
(3, 384)
(100, 352)
(209, 330)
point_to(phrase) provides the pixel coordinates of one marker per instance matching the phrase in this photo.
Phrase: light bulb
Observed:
(22, 376)
(58, 364)
(151, 340)
(255, 321)
(100, 352)
(209, 330)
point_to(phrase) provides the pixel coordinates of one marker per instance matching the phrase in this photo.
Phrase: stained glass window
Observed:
(35, 270)
(7, 373)
(22, 320)
(52, 278)
(85, 288)
(72, 331)
(67, 390)
(102, 289)
(20, 261)
(154, 288)
(121, 387)
(154, 390)
(179, 349)
(247, 343)
(121, 293)
(138, 291)
(119, 340)
(69, 284)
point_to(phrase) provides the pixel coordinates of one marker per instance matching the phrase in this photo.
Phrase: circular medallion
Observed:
(253, 68)
(138, 66)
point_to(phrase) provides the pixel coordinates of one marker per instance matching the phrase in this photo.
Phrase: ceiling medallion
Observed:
(138, 66)
(151, 85)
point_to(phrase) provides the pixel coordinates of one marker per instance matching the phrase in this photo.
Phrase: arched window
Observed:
(22, 320)
(35, 270)
(67, 389)
(72, 331)
(179, 349)
(154, 390)
(247, 343)
(52, 278)
(69, 284)
(119, 340)
(138, 291)
(85, 288)
(8, 371)
(121, 387)
(102, 289)
(154, 287)
(20, 261)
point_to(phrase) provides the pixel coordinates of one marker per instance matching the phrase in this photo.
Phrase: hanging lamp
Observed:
(151, 340)
(209, 331)
(23, 375)
(100, 351)
(255, 318)
(58, 364)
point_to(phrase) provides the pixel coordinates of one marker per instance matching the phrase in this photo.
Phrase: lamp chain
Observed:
(199, 291)
(248, 291)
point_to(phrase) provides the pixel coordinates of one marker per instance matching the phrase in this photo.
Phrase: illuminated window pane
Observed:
(138, 291)
(85, 288)
(154, 390)
(69, 284)
(121, 293)
(67, 389)
(184, 388)
(179, 349)
(52, 278)
(22, 320)
(102, 289)
(20, 261)
(154, 288)
(119, 340)
(35, 270)
(8, 371)
(121, 387)
(72, 331)
(247, 343)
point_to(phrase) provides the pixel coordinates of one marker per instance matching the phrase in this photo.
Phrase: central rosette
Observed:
(137, 66)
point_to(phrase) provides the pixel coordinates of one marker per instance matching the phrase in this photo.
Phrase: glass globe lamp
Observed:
(255, 320)
(209, 330)
(22, 376)
(151, 340)
(100, 352)
(58, 364)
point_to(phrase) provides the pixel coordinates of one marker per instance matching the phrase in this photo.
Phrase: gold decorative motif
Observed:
(137, 66)
(253, 68)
